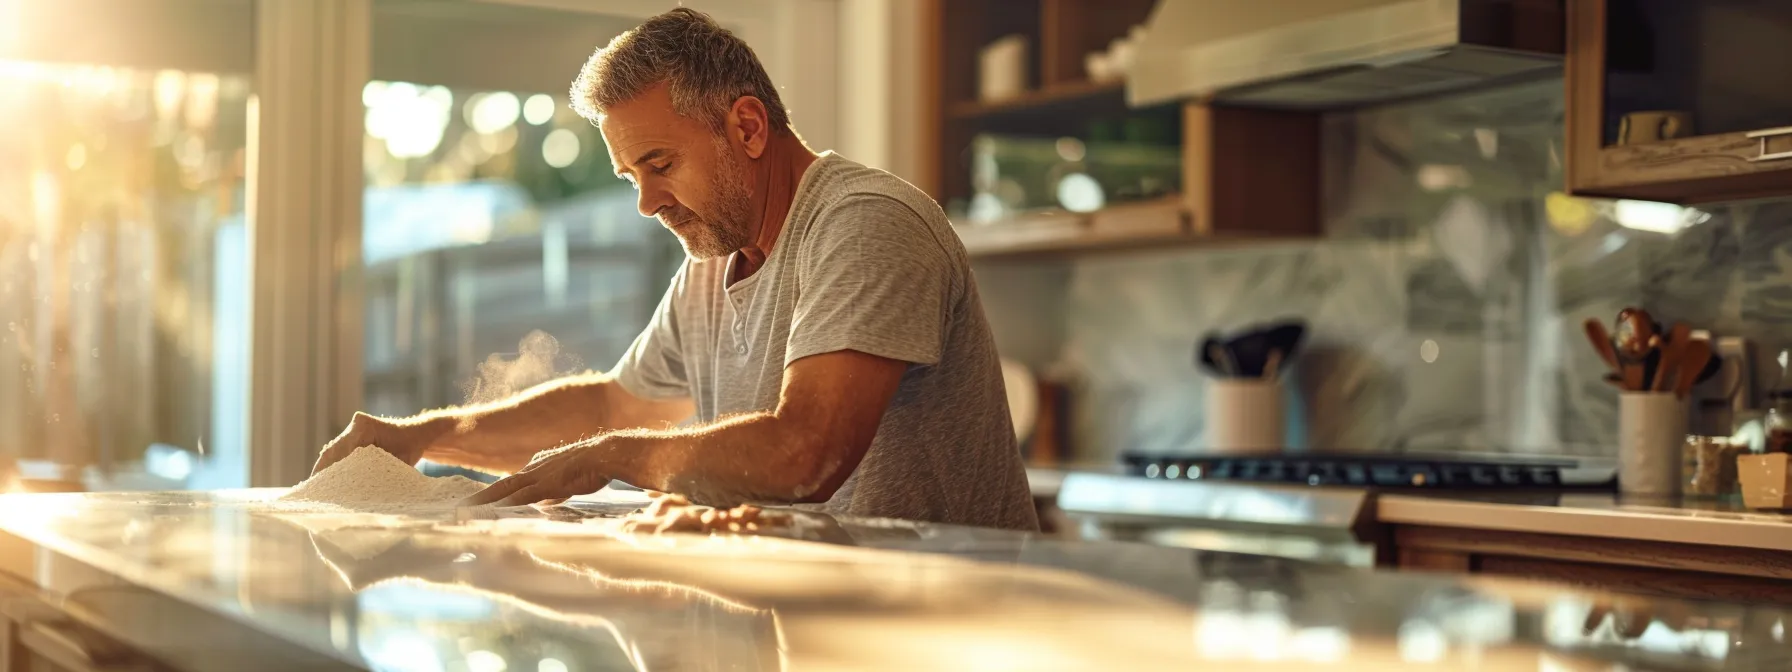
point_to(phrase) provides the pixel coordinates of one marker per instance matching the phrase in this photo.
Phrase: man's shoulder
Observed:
(855, 201)
(843, 184)
(845, 175)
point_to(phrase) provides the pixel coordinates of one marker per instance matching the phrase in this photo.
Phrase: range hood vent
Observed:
(1324, 54)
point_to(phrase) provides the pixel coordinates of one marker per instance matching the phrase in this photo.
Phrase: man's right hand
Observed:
(407, 442)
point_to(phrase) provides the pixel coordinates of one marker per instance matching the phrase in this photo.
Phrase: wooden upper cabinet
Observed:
(1243, 175)
(1683, 101)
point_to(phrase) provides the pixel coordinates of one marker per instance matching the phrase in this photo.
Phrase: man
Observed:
(824, 330)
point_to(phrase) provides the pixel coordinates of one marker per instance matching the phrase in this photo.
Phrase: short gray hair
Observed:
(705, 69)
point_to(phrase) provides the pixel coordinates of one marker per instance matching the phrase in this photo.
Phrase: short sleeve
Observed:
(874, 278)
(653, 367)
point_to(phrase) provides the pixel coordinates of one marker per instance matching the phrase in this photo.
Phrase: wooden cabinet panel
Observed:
(1251, 172)
(1627, 552)
(1708, 78)
(1683, 571)
(1429, 560)
(1069, 29)
(1696, 169)
(1641, 580)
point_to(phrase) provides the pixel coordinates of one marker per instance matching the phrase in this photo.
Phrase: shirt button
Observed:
(742, 348)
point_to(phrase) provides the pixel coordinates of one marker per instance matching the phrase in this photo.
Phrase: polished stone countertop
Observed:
(1690, 520)
(225, 581)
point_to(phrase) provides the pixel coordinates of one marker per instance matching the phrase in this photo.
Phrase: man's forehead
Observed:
(647, 110)
(628, 144)
(635, 126)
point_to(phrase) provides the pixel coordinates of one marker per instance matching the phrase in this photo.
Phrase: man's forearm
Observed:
(756, 457)
(827, 418)
(503, 435)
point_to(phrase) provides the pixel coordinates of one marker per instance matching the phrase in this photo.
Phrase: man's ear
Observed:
(749, 124)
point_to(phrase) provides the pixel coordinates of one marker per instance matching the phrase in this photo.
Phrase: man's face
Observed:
(685, 174)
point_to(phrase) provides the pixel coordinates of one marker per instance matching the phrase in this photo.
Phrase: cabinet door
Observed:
(1678, 101)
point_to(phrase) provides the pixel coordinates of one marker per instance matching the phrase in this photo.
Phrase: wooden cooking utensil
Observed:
(1602, 343)
(1679, 333)
(1673, 353)
(1634, 328)
(1633, 376)
(1692, 361)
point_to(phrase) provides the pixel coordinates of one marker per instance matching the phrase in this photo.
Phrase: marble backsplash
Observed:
(1444, 300)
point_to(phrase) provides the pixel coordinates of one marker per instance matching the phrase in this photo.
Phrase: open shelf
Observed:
(1130, 226)
(1061, 232)
(1078, 97)
(1248, 175)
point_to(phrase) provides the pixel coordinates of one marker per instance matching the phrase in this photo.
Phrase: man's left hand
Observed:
(551, 475)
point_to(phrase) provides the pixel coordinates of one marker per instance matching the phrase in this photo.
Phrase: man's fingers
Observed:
(499, 490)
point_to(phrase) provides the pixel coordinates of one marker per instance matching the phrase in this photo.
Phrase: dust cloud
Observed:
(538, 359)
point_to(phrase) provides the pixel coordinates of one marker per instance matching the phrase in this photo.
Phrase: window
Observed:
(122, 275)
(500, 249)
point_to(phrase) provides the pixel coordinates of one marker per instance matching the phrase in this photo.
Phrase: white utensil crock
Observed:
(1244, 415)
(1651, 436)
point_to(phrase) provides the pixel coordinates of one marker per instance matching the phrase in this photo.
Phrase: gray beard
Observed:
(705, 240)
(709, 238)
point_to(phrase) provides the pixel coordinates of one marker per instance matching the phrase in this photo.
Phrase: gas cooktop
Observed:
(1383, 470)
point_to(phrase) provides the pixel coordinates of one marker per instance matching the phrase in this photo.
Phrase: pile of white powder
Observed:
(371, 479)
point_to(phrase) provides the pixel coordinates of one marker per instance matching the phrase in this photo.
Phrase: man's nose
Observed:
(650, 200)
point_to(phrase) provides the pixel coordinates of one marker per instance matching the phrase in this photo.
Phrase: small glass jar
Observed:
(1710, 466)
(1779, 422)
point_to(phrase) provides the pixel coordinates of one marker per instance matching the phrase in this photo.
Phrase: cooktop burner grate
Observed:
(1380, 471)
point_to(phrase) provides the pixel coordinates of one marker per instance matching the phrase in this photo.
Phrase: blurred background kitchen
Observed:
(1230, 251)
(229, 224)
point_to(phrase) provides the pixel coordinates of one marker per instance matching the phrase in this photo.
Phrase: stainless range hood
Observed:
(1321, 54)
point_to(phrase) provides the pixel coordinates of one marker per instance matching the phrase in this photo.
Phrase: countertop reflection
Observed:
(567, 589)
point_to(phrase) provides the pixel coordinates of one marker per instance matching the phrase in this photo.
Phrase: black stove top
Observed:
(1383, 470)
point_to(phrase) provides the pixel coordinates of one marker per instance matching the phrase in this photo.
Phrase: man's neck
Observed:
(786, 160)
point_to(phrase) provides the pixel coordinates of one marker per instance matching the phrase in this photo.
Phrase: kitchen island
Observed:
(225, 581)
